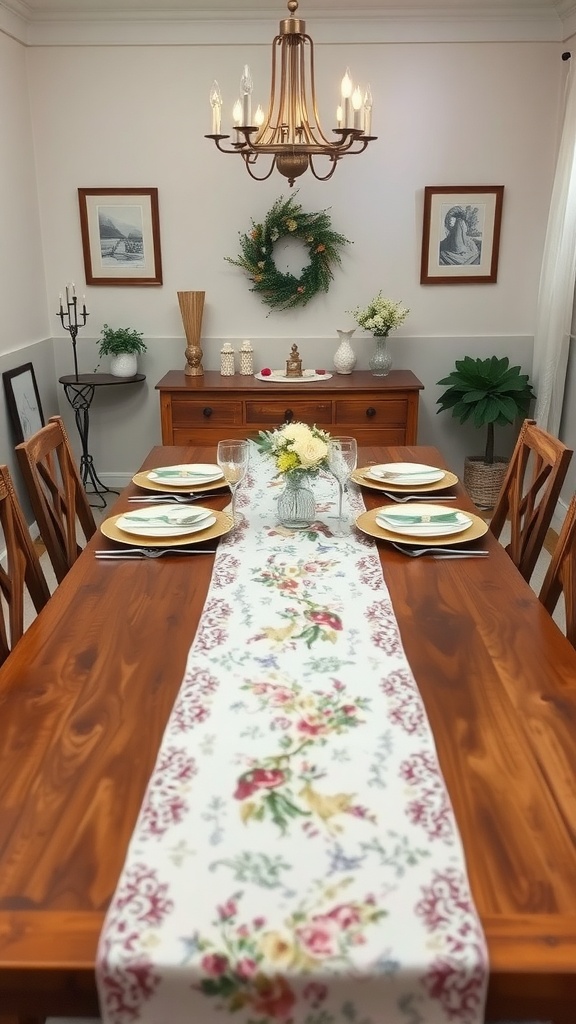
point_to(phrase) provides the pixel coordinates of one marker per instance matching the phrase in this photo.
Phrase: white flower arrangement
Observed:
(296, 446)
(381, 316)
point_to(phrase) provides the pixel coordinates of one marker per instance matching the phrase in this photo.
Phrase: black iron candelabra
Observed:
(69, 319)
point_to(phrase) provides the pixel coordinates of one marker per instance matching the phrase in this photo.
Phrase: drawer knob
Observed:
(207, 411)
(288, 416)
(370, 411)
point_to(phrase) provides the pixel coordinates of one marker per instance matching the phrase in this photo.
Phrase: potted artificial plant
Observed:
(488, 391)
(123, 344)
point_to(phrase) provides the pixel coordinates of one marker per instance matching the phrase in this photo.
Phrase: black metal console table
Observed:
(79, 390)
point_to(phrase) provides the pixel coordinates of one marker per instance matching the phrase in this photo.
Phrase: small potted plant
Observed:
(489, 391)
(123, 344)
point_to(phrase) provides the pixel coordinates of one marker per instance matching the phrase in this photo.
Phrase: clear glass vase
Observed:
(381, 361)
(296, 505)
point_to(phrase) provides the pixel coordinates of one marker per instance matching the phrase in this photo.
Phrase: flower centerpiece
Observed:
(298, 452)
(380, 317)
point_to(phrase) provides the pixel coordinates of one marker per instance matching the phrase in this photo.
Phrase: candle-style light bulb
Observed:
(246, 86)
(237, 112)
(216, 104)
(367, 111)
(346, 92)
(259, 117)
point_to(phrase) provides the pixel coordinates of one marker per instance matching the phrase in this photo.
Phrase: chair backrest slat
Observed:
(529, 493)
(561, 574)
(56, 493)
(22, 567)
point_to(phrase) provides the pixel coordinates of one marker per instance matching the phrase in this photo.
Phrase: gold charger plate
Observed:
(367, 523)
(222, 525)
(449, 480)
(142, 480)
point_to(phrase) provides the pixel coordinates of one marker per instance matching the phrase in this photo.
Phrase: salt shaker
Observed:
(226, 360)
(246, 358)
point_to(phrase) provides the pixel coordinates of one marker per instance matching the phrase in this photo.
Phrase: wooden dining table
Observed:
(86, 694)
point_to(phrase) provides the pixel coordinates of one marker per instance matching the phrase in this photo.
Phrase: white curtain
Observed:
(557, 276)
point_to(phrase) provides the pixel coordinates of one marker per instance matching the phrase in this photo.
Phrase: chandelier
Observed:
(290, 132)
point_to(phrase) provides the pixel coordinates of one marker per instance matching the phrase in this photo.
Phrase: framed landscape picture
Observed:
(23, 401)
(461, 234)
(120, 235)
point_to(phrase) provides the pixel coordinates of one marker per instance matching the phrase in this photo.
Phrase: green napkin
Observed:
(413, 520)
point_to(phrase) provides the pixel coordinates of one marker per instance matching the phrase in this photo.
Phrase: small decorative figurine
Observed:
(226, 360)
(246, 358)
(294, 363)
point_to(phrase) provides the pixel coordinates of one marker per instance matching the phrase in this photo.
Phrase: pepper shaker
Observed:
(227, 360)
(246, 358)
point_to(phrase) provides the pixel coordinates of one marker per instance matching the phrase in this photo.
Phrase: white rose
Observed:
(311, 451)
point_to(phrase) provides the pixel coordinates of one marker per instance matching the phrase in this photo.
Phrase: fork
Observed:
(416, 497)
(439, 552)
(153, 552)
(184, 499)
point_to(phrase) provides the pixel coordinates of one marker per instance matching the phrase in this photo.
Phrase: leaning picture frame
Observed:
(23, 401)
(461, 234)
(120, 230)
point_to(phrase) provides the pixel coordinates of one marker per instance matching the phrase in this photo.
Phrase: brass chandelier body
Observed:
(291, 132)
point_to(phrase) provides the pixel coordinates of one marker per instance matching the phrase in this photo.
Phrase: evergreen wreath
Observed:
(286, 218)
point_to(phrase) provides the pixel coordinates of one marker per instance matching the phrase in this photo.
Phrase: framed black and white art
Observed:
(23, 401)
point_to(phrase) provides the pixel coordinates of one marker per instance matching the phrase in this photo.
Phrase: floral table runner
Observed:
(296, 858)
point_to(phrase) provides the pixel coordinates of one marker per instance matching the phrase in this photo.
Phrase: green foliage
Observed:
(488, 391)
(286, 218)
(115, 342)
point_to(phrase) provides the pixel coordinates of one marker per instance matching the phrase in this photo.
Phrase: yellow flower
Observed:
(286, 461)
(291, 224)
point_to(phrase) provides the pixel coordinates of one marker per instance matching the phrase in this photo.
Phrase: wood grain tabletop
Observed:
(85, 696)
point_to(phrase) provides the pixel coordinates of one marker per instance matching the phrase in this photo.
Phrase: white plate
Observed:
(422, 529)
(279, 377)
(166, 521)
(406, 473)
(186, 475)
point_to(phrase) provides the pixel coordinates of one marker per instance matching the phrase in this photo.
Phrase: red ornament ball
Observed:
(320, 371)
(266, 372)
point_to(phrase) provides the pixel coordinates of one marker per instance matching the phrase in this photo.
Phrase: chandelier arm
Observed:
(249, 169)
(323, 177)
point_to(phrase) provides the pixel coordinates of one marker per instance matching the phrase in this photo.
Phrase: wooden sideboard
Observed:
(375, 410)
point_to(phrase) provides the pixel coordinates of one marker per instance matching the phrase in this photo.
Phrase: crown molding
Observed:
(451, 21)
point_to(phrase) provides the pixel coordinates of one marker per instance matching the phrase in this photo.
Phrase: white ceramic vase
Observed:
(124, 365)
(344, 356)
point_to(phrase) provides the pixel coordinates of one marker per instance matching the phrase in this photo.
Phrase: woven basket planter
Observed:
(483, 480)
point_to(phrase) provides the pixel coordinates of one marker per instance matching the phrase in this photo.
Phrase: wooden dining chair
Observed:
(22, 568)
(529, 494)
(560, 577)
(56, 493)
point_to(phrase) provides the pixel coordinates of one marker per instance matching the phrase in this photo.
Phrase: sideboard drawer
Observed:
(272, 412)
(207, 413)
(366, 412)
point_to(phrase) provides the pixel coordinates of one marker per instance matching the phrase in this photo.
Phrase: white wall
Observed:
(445, 113)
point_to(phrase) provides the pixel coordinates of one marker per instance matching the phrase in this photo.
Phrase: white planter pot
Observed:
(124, 365)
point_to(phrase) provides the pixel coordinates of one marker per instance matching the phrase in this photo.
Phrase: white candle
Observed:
(246, 93)
(357, 105)
(216, 104)
(346, 92)
(338, 117)
(84, 305)
(368, 111)
(237, 113)
(60, 301)
(67, 294)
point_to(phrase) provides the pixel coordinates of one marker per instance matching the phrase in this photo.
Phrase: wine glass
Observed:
(342, 459)
(232, 456)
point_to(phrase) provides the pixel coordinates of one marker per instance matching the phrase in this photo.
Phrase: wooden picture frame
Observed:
(461, 234)
(120, 235)
(23, 401)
